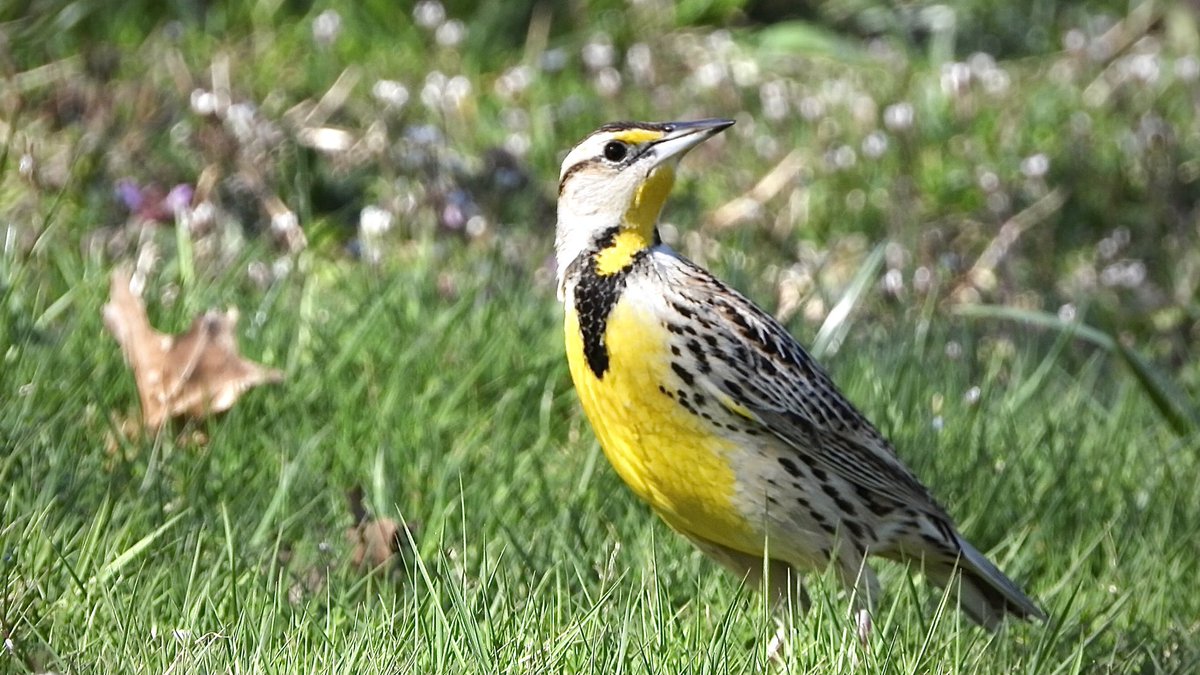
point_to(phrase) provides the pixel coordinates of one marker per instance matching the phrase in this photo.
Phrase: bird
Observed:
(714, 415)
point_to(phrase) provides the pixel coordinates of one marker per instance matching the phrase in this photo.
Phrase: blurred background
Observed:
(991, 207)
(1040, 155)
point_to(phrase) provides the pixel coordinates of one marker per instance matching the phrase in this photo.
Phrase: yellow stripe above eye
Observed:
(637, 136)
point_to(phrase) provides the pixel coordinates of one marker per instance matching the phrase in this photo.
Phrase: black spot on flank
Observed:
(873, 505)
(699, 399)
(879, 509)
(820, 475)
(856, 530)
(789, 466)
(822, 523)
(737, 318)
(675, 350)
(802, 423)
(768, 344)
(733, 389)
(683, 310)
(846, 506)
(697, 352)
(683, 374)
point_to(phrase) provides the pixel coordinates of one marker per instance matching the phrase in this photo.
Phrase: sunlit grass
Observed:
(455, 414)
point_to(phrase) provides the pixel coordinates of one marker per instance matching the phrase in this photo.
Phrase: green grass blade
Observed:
(837, 324)
(1168, 398)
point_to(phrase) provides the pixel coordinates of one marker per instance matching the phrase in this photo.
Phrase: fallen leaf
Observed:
(376, 540)
(192, 375)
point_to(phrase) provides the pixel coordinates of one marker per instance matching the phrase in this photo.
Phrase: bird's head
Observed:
(614, 183)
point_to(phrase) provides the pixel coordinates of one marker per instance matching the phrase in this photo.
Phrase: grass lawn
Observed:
(455, 414)
(434, 380)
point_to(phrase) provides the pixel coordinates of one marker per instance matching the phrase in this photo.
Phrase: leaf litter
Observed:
(188, 376)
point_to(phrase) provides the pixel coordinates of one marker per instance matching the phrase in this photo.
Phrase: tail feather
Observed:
(985, 594)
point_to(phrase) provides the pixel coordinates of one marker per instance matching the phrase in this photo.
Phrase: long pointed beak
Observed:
(683, 136)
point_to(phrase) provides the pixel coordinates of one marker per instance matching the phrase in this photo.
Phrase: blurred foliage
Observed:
(1004, 29)
(1040, 155)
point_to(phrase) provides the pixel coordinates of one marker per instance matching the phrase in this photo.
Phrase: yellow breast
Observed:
(672, 459)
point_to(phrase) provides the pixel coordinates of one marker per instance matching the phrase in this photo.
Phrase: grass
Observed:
(434, 377)
(455, 412)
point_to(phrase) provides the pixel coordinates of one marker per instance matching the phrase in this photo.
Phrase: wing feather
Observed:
(761, 369)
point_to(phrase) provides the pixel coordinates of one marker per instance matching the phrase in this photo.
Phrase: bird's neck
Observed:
(641, 218)
(638, 230)
(613, 244)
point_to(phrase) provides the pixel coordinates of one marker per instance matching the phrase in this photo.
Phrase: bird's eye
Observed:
(615, 151)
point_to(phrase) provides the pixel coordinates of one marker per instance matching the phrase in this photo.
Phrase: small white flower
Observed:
(374, 221)
(898, 116)
(893, 282)
(874, 145)
(1074, 40)
(811, 108)
(1035, 166)
(458, 89)
(1187, 68)
(327, 27)
(608, 81)
(599, 53)
(203, 102)
(434, 89)
(451, 34)
(514, 81)
(956, 78)
(429, 13)
(390, 93)
(640, 61)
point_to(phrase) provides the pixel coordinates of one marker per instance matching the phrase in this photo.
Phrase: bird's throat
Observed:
(638, 224)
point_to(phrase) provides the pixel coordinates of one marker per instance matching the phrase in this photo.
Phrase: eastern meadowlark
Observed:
(713, 414)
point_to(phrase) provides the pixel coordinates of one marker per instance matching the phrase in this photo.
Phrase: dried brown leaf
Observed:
(192, 375)
(376, 540)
